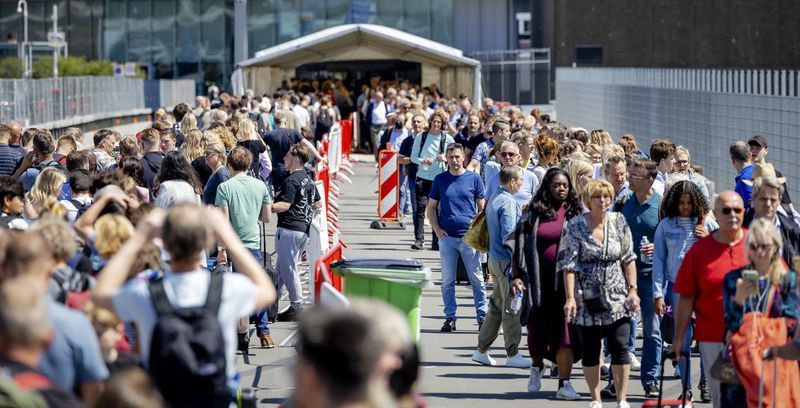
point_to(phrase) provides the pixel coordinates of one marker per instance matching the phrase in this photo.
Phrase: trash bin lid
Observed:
(380, 263)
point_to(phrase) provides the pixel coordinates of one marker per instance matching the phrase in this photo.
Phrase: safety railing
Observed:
(71, 101)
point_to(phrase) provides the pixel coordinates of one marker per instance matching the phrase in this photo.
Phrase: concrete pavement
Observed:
(449, 378)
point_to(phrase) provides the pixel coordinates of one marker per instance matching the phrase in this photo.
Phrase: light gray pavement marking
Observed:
(449, 378)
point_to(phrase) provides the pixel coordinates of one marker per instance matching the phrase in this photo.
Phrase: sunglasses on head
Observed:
(728, 210)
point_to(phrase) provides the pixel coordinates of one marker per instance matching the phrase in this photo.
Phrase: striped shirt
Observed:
(9, 159)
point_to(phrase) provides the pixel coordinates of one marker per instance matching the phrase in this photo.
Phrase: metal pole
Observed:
(22, 7)
(55, 49)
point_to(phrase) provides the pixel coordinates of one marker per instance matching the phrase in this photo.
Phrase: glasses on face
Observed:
(757, 247)
(682, 162)
(729, 210)
(637, 177)
(508, 154)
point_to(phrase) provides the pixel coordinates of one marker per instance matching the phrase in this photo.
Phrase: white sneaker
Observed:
(623, 404)
(535, 380)
(595, 404)
(518, 361)
(636, 365)
(566, 392)
(483, 358)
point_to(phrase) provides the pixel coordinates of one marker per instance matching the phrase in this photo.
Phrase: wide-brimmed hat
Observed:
(764, 169)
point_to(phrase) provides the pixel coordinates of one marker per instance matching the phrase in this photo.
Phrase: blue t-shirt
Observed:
(741, 187)
(642, 219)
(456, 196)
(526, 191)
(210, 190)
(74, 356)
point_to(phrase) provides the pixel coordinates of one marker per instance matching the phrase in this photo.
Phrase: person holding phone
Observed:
(597, 259)
(683, 222)
(765, 285)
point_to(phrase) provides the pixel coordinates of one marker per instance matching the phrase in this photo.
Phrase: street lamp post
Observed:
(22, 7)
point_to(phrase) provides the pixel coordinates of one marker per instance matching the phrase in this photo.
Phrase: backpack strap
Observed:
(214, 296)
(159, 297)
(422, 142)
(442, 141)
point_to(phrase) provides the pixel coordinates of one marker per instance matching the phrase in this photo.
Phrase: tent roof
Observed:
(356, 42)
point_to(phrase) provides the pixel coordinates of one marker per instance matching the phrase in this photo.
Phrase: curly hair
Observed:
(672, 199)
(543, 205)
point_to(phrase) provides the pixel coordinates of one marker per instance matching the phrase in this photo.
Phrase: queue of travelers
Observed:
(143, 296)
(601, 239)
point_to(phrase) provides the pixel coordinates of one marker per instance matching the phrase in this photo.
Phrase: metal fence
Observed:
(521, 77)
(53, 103)
(704, 110)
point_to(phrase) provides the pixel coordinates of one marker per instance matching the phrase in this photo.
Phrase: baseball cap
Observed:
(758, 140)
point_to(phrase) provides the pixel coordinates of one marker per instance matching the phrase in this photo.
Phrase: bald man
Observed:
(700, 280)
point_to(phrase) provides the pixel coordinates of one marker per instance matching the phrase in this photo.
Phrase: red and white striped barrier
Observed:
(388, 187)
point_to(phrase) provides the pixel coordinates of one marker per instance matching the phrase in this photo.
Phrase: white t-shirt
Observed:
(188, 289)
(172, 192)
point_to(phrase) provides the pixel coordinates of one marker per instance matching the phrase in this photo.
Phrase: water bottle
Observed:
(516, 303)
(644, 258)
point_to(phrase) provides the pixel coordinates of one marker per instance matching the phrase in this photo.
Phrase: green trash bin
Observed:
(398, 282)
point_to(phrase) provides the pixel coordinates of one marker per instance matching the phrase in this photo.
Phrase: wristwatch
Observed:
(632, 287)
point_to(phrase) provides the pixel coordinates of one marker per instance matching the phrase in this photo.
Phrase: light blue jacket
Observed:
(502, 214)
(671, 245)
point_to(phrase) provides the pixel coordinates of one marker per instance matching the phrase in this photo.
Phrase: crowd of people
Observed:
(132, 270)
(132, 267)
(597, 237)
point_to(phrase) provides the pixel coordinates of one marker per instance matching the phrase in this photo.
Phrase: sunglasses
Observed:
(508, 154)
(728, 210)
(756, 247)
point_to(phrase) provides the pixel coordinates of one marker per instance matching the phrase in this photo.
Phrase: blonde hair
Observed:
(47, 186)
(578, 167)
(219, 149)
(188, 123)
(611, 150)
(225, 136)
(601, 137)
(592, 148)
(101, 317)
(683, 150)
(58, 235)
(112, 231)
(762, 230)
(192, 145)
(246, 131)
(596, 187)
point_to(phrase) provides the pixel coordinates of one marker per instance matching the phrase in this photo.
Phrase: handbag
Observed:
(757, 333)
(722, 370)
(477, 235)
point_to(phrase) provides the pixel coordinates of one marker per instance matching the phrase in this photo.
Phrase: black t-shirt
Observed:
(151, 164)
(405, 150)
(299, 190)
(279, 141)
(256, 147)
(475, 141)
(201, 168)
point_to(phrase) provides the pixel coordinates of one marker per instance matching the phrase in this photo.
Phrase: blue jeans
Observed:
(262, 319)
(449, 250)
(404, 206)
(672, 299)
(651, 326)
(411, 183)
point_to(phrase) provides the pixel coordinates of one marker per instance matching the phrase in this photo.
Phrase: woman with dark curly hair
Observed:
(683, 222)
(176, 181)
(535, 242)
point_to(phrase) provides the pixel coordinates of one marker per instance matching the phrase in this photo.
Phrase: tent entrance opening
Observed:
(354, 73)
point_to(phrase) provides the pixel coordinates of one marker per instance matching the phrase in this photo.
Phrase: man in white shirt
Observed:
(663, 153)
(185, 230)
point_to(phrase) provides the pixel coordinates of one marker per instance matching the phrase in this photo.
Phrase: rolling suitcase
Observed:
(674, 403)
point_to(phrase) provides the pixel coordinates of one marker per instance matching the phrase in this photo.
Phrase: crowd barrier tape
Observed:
(388, 185)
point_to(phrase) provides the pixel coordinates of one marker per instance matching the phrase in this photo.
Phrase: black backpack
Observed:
(82, 207)
(187, 350)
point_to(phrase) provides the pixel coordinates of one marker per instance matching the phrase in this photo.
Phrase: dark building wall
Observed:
(679, 33)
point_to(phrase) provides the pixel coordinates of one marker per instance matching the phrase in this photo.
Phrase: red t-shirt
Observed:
(700, 277)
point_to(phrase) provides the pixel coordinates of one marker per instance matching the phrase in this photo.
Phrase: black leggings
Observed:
(617, 334)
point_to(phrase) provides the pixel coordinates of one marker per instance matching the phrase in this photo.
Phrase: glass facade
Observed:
(194, 38)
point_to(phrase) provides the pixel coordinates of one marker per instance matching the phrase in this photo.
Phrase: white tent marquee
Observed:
(445, 66)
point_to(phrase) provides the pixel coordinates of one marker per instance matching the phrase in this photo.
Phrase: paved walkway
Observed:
(449, 377)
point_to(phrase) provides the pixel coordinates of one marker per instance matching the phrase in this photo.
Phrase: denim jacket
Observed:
(671, 246)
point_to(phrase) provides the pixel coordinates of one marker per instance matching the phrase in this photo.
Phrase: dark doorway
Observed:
(358, 72)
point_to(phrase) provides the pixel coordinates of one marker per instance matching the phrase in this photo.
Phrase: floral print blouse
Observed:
(597, 264)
